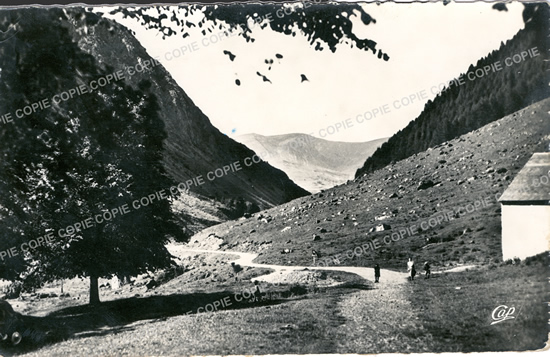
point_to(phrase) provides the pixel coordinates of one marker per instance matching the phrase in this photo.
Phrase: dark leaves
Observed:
(265, 79)
(327, 24)
(231, 56)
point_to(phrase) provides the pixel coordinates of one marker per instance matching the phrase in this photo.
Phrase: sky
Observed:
(428, 44)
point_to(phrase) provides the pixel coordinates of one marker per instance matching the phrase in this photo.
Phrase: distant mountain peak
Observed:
(313, 163)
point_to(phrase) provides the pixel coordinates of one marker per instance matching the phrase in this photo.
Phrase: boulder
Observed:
(382, 227)
(425, 184)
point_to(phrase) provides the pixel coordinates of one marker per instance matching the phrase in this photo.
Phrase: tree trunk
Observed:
(94, 290)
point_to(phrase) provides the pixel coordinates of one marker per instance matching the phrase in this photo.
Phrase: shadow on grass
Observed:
(113, 316)
(360, 285)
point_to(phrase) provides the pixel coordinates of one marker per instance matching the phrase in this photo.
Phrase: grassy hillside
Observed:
(479, 99)
(472, 168)
(194, 147)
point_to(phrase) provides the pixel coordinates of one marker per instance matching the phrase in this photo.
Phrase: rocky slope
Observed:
(461, 176)
(314, 164)
(194, 146)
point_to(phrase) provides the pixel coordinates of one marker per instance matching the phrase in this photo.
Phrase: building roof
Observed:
(532, 183)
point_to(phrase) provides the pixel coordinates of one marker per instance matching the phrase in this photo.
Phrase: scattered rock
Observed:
(380, 228)
(425, 184)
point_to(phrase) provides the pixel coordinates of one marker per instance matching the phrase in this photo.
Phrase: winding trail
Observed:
(246, 259)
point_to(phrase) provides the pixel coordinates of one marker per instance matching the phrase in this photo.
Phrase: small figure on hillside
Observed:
(410, 264)
(376, 273)
(257, 295)
(315, 256)
(427, 270)
(411, 269)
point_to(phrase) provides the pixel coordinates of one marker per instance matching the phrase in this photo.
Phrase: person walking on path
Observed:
(427, 270)
(410, 264)
(315, 256)
(376, 273)
(410, 268)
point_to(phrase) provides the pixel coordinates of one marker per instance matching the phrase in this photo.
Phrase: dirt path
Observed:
(381, 319)
(246, 259)
(374, 320)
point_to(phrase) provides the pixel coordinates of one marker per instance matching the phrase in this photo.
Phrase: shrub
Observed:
(14, 290)
(236, 267)
(297, 290)
(542, 258)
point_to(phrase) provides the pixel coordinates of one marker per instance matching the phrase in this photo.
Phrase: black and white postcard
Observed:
(274, 178)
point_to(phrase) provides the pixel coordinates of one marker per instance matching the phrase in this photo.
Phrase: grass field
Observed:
(180, 305)
(427, 315)
(456, 308)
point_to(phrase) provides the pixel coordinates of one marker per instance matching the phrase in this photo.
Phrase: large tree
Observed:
(76, 158)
